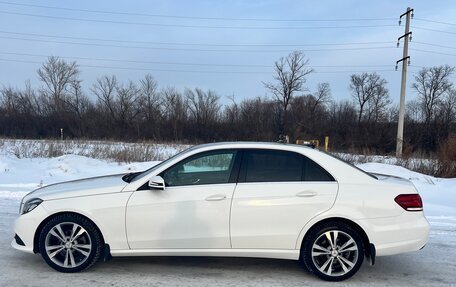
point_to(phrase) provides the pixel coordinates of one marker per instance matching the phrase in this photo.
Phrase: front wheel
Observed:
(70, 243)
(333, 251)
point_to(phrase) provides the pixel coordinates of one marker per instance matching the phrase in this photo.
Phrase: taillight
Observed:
(410, 202)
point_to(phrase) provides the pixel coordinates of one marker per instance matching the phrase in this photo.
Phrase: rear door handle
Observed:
(216, 197)
(306, 193)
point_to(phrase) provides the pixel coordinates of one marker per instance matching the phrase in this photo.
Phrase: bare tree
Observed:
(379, 104)
(431, 84)
(78, 104)
(77, 101)
(105, 89)
(290, 78)
(57, 75)
(203, 106)
(413, 111)
(448, 107)
(115, 110)
(368, 89)
(9, 100)
(174, 111)
(256, 120)
(149, 98)
(204, 110)
(322, 95)
(127, 107)
(28, 100)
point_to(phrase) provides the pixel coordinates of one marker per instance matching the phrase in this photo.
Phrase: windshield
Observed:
(147, 171)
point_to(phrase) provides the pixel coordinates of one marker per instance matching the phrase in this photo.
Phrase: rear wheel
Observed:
(70, 243)
(333, 251)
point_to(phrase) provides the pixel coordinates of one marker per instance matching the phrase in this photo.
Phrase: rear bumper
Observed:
(405, 233)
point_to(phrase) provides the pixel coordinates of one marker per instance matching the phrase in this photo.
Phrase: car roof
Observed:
(339, 169)
(251, 144)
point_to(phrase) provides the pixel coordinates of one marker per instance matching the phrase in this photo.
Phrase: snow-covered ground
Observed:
(433, 266)
(108, 150)
(18, 176)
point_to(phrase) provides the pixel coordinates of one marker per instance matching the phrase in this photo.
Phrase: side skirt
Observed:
(258, 253)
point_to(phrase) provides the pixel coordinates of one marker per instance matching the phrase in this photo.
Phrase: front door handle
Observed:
(216, 197)
(306, 193)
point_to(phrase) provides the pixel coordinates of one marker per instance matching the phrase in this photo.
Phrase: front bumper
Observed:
(15, 245)
(25, 227)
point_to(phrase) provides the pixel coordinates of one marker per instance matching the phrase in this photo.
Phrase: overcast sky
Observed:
(165, 46)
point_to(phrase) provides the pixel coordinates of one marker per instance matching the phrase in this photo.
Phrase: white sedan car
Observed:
(228, 199)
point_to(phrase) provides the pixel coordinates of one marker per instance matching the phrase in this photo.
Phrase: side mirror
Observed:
(157, 182)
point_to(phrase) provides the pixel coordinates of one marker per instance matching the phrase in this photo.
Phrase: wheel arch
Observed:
(368, 245)
(40, 227)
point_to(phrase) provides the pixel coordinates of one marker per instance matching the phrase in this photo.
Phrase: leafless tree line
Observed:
(111, 109)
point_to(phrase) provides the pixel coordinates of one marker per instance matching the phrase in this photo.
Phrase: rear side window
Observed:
(272, 166)
(278, 166)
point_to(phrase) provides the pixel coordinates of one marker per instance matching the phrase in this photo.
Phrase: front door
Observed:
(194, 209)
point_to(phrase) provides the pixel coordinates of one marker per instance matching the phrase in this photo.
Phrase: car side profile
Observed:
(242, 199)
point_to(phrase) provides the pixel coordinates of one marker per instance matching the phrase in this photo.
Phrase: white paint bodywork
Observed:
(269, 215)
(244, 219)
(180, 217)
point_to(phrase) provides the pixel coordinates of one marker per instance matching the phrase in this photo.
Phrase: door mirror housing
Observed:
(157, 183)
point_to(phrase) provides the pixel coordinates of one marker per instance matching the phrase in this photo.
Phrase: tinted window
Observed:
(205, 168)
(314, 172)
(270, 165)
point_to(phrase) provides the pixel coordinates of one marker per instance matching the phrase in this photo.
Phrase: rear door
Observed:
(277, 193)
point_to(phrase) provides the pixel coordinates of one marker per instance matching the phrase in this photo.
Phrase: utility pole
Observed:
(405, 61)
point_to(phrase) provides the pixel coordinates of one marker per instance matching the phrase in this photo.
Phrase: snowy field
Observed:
(433, 266)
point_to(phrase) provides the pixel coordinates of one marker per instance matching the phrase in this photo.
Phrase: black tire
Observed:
(318, 235)
(91, 236)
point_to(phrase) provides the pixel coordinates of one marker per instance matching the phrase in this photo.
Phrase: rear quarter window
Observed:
(314, 172)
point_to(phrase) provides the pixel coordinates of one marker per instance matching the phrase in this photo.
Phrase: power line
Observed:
(434, 45)
(416, 66)
(183, 64)
(193, 50)
(193, 17)
(193, 44)
(433, 30)
(434, 21)
(147, 69)
(194, 26)
(139, 61)
(193, 71)
(359, 71)
(433, 52)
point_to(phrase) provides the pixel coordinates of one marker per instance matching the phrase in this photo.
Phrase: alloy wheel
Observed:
(68, 244)
(334, 253)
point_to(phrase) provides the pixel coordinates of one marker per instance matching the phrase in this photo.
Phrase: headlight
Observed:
(30, 205)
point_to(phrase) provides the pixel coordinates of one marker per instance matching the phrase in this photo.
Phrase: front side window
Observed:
(205, 168)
